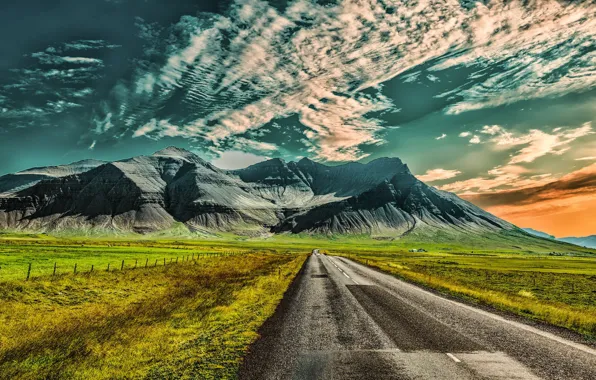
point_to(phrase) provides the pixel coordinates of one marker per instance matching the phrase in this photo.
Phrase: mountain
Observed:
(150, 193)
(586, 241)
(534, 232)
(19, 181)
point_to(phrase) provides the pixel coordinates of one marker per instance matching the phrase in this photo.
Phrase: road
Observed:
(343, 320)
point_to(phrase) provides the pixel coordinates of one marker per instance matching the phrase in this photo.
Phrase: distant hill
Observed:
(586, 241)
(538, 233)
(152, 193)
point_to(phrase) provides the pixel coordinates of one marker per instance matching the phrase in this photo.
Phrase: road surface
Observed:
(343, 320)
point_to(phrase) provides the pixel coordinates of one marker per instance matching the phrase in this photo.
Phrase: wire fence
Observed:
(29, 271)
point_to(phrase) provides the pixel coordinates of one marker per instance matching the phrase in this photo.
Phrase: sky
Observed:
(492, 100)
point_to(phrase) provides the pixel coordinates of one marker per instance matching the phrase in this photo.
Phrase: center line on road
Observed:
(454, 358)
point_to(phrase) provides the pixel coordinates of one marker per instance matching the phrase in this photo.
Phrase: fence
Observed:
(129, 264)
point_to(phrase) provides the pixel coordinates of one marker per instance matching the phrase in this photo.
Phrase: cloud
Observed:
(536, 143)
(164, 128)
(232, 160)
(589, 158)
(475, 139)
(500, 177)
(544, 49)
(438, 175)
(242, 143)
(88, 45)
(240, 71)
(564, 206)
(465, 134)
(50, 59)
(441, 137)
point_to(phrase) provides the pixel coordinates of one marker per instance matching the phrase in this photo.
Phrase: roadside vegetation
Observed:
(194, 319)
(547, 287)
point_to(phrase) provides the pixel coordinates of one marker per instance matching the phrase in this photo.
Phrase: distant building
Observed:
(315, 251)
(418, 250)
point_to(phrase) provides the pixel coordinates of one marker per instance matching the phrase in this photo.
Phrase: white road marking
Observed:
(454, 358)
(519, 325)
(341, 270)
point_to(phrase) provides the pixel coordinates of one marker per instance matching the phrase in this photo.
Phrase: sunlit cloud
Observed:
(242, 71)
(438, 175)
(561, 207)
(498, 178)
(537, 143)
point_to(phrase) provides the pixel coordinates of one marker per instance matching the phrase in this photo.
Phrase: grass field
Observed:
(560, 290)
(193, 319)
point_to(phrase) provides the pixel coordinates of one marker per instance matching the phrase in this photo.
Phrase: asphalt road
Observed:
(342, 320)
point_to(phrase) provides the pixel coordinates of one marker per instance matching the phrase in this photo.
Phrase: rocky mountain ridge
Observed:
(151, 193)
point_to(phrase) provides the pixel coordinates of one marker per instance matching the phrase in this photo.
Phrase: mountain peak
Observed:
(173, 151)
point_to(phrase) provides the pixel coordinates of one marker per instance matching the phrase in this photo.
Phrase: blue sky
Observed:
(481, 99)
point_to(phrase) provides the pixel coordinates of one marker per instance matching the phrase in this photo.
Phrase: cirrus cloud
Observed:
(243, 70)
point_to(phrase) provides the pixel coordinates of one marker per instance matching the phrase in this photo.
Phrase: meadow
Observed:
(191, 319)
(188, 307)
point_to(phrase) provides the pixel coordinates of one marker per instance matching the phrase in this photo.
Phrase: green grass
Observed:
(197, 318)
(191, 320)
(560, 290)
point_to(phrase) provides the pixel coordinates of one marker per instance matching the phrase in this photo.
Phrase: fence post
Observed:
(155, 262)
(122, 266)
(146, 262)
(29, 272)
(91, 268)
(176, 259)
(53, 274)
(108, 268)
(136, 262)
(75, 269)
(164, 261)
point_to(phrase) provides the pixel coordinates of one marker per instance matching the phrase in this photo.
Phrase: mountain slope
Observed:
(399, 204)
(541, 234)
(12, 183)
(150, 193)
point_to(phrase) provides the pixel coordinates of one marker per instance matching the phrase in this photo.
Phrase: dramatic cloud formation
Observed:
(507, 88)
(537, 143)
(241, 71)
(509, 176)
(438, 175)
(563, 207)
